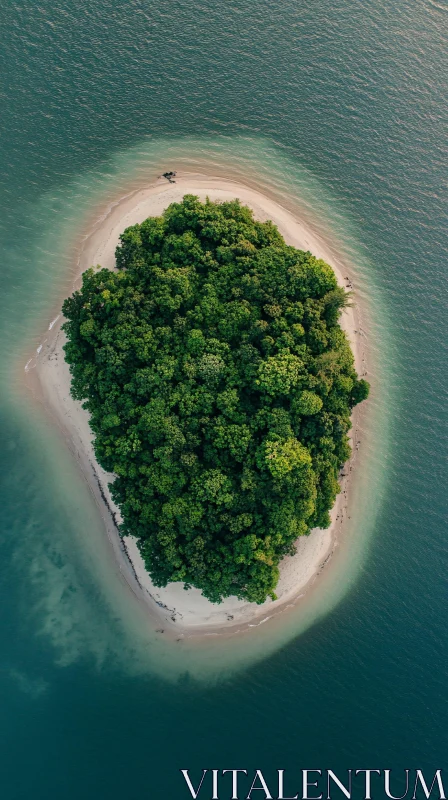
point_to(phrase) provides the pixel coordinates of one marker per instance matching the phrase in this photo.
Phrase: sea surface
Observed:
(340, 109)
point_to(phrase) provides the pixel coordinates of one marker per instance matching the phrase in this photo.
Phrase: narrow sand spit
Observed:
(47, 374)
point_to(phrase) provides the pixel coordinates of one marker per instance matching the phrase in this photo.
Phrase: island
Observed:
(219, 385)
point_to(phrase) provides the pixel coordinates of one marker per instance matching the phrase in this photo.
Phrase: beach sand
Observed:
(173, 609)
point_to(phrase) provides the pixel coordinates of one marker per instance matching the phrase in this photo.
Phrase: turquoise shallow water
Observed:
(342, 102)
(139, 649)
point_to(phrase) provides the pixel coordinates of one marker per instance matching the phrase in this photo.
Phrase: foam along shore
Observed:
(47, 374)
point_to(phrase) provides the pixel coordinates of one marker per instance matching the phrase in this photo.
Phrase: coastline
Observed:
(47, 375)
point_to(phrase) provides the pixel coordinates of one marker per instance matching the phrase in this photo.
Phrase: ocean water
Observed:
(338, 108)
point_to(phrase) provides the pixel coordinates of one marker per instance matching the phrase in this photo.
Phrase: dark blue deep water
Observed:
(351, 93)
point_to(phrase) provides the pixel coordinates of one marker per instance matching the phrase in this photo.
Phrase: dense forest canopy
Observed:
(219, 385)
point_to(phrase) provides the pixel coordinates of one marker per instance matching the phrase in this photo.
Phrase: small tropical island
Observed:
(220, 387)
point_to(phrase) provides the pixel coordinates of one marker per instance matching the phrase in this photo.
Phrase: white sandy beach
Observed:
(174, 609)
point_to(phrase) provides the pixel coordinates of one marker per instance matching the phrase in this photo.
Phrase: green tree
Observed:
(219, 385)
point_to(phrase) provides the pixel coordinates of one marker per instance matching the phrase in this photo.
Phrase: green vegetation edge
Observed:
(220, 386)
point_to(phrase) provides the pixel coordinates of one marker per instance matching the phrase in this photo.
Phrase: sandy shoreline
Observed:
(47, 375)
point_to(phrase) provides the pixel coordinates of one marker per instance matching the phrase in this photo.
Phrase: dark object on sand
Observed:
(169, 176)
